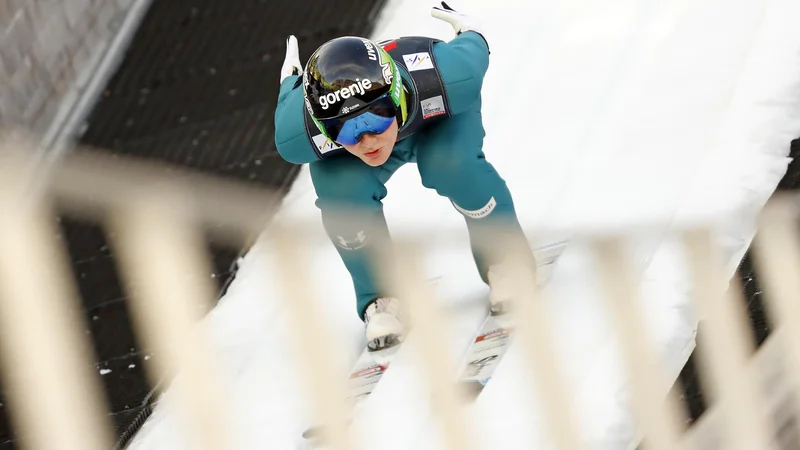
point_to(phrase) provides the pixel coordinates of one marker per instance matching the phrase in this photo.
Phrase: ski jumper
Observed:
(443, 135)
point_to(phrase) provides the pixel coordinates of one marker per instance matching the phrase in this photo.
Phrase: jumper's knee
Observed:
(451, 161)
(444, 168)
(450, 155)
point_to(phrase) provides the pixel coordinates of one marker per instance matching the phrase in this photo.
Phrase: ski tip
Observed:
(316, 432)
(468, 390)
(311, 433)
(471, 389)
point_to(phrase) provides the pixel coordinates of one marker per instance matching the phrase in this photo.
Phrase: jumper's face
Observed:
(374, 149)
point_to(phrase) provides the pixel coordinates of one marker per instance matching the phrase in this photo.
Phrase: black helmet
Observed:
(346, 74)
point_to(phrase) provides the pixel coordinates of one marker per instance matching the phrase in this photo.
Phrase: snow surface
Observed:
(598, 114)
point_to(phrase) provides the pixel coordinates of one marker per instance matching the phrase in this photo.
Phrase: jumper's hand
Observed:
(291, 65)
(460, 22)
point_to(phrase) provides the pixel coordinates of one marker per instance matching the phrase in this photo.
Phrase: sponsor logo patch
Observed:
(386, 68)
(359, 241)
(418, 61)
(347, 109)
(478, 213)
(370, 50)
(325, 144)
(493, 334)
(432, 107)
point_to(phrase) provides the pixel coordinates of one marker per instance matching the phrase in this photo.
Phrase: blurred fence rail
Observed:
(155, 216)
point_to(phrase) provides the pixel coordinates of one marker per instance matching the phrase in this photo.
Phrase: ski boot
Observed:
(385, 328)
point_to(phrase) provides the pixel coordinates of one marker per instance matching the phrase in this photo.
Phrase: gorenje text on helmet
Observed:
(359, 87)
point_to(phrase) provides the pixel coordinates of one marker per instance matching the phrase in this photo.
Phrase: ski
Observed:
(493, 338)
(483, 356)
(365, 375)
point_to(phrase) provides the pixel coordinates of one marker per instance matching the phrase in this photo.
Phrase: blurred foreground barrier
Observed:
(155, 217)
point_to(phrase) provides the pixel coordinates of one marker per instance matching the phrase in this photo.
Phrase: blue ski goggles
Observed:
(376, 118)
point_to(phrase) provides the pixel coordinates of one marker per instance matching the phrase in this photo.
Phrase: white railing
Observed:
(155, 218)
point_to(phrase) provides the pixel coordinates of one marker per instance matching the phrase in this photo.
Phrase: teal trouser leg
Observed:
(451, 161)
(349, 195)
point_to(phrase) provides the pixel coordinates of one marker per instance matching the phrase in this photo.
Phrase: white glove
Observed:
(291, 65)
(460, 22)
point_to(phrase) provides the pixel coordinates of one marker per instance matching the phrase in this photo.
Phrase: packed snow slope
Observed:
(597, 114)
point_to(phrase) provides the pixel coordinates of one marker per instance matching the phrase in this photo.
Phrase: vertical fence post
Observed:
(777, 252)
(655, 408)
(535, 335)
(169, 284)
(726, 347)
(322, 378)
(54, 397)
(402, 267)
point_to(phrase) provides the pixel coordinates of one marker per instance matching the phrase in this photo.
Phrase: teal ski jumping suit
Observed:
(443, 135)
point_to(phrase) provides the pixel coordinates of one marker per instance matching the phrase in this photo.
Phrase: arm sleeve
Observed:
(463, 63)
(290, 133)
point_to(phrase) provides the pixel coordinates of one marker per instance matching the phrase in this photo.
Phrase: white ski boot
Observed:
(385, 326)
